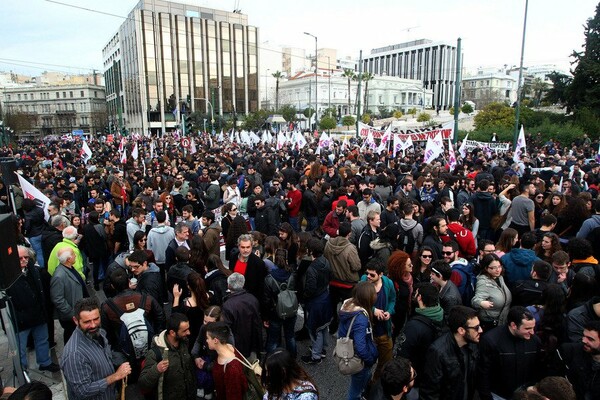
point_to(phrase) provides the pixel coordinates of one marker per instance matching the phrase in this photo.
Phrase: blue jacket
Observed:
(390, 295)
(364, 348)
(518, 264)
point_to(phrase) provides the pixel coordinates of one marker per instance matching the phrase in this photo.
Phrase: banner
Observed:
(31, 192)
(416, 135)
(493, 146)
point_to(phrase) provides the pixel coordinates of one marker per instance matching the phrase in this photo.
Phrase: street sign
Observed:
(185, 142)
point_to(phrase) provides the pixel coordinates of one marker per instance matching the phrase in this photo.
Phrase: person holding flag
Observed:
(121, 192)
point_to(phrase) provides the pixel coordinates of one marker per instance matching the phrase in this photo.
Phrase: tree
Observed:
(277, 75)
(256, 120)
(557, 93)
(366, 118)
(423, 117)
(451, 110)
(398, 114)
(538, 86)
(466, 108)
(384, 112)
(348, 121)
(412, 111)
(288, 112)
(366, 77)
(495, 115)
(584, 90)
(327, 123)
(309, 112)
(349, 74)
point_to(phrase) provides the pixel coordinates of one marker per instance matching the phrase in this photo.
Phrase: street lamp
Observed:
(329, 74)
(519, 88)
(212, 114)
(266, 80)
(316, 73)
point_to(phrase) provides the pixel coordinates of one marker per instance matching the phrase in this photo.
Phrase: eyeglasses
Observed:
(447, 253)
(134, 267)
(24, 258)
(143, 240)
(476, 328)
(495, 268)
(426, 256)
(234, 209)
(168, 198)
(539, 197)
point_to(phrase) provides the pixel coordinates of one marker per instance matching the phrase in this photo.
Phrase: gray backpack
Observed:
(286, 305)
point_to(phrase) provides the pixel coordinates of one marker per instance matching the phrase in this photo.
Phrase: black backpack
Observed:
(594, 238)
(406, 239)
(436, 329)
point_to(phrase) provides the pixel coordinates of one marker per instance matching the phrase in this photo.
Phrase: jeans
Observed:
(384, 348)
(312, 223)
(358, 383)
(99, 269)
(251, 219)
(274, 334)
(294, 223)
(319, 342)
(68, 329)
(36, 245)
(40, 340)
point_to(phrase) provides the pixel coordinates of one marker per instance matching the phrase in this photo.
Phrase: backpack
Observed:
(406, 239)
(468, 281)
(252, 372)
(401, 339)
(594, 237)
(135, 335)
(286, 305)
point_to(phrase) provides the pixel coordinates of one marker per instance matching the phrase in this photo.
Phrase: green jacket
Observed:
(390, 295)
(53, 259)
(178, 382)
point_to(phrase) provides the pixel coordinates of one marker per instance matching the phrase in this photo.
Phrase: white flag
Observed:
(463, 147)
(134, 152)
(385, 138)
(152, 149)
(324, 140)
(124, 156)
(33, 193)
(433, 149)
(87, 152)
(280, 140)
(407, 144)
(193, 149)
(370, 141)
(521, 146)
(451, 156)
(299, 139)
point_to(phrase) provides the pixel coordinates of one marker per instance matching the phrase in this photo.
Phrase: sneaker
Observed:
(50, 367)
(307, 359)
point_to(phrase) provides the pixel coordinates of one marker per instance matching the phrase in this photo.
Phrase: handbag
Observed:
(347, 362)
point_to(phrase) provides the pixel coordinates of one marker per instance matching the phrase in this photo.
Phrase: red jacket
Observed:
(464, 238)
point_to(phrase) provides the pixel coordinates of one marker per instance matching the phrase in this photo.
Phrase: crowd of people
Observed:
(453, 284)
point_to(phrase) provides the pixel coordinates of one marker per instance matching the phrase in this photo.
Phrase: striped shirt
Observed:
(85, 365)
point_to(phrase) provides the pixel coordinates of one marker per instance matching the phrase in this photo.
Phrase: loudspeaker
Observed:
(10, 268)
(8, 166)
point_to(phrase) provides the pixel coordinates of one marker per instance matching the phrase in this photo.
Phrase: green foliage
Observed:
(588, 121)
(288, 112)
(366, 118)
(412, 111)
(309, 112)
(495, 115)
(423, 117)
(451, 110)
(398, 114)
(327, 123)
(466, 108)
(255, 120)
(331, 111)
(348, 121)
(526, 103)
(384, 112)
(558, 92)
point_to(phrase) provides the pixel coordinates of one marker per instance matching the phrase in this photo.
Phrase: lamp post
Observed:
(329, 75)
(266, 80)
(519, 88)
(212, 111)
(316, 73)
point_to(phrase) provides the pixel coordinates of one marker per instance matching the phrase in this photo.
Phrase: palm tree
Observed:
(277, 75)
(349, 73)
(366, 77)
(538, 86)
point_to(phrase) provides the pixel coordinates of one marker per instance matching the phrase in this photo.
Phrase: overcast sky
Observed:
(68, 39)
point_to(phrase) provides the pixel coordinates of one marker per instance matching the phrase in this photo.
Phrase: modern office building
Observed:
(433, 63)
(33, 111)
(170, 56)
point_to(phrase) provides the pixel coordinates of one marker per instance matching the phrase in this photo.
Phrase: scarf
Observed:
(435, 313)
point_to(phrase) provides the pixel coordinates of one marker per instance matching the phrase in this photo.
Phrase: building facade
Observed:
(169, 57)
(433, 63)
(35, 111)
(489, 86)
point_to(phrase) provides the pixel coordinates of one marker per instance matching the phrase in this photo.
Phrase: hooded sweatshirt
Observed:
(344, 260)
(588, 226)
(518, 264)
(158, 241)
(364, 347)
(485, 208)
(417, 229)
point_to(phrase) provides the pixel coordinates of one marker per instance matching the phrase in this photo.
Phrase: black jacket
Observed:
(265, 220)
(151, 283)
(216, 286)
(50, 238)
(507, 362)
(578, 367)
(310, 206)
(578, 317)
(241, 311)
(485, 207)
(444, 371)
(255, 275)
(27, 297)
(528, 292)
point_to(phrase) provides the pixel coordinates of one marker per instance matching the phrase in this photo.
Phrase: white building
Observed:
(432, 63)
(488, 86)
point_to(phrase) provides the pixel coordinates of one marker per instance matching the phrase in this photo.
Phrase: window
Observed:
(71, 94)
(64, 95)
(8, 97)
(57, 95)
(19, 96)
(25, 96)
(95, 93)
(82, 93)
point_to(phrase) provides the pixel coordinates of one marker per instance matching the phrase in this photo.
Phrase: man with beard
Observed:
(580, 361)
(169, 368)
(452, 360)
(87, 360)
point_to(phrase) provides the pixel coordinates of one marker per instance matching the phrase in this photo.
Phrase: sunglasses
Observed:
(234, 209)
(447, 253)
(426, 256)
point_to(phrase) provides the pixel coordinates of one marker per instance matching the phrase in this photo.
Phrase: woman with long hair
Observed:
(158, 183)
(289, 241)
(468, 220)
(549, 245)
(421, 265)
(198, 255)
(284, 379)
(357, 311)
(168, 206)
(400, 270)
(492, 298)
(508, 239)
(139, 243)
(571, 217)
(555, 203)
(77, 223)
(216, 279)
(193, 307)
(540, 207)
